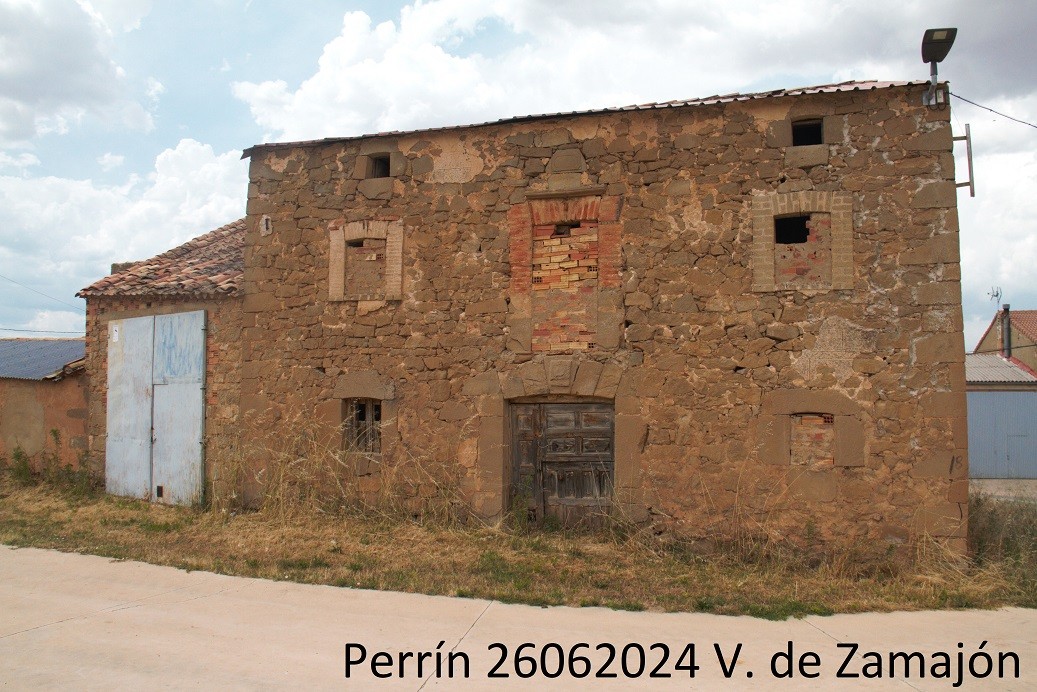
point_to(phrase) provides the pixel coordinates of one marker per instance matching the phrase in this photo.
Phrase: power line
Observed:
(993, 111)
(39, 331)
(30, 288)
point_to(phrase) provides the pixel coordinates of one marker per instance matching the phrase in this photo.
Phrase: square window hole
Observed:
(355, 243)
(790, 230)
(379, 165)
(807, 132)
(564, 230)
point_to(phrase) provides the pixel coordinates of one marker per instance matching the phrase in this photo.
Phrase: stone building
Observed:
(739, 313)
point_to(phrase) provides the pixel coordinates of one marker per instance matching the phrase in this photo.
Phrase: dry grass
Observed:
(612, 569)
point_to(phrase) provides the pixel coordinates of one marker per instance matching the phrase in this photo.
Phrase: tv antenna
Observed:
(995, 294)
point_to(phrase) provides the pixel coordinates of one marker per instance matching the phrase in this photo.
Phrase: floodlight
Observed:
(936, 43)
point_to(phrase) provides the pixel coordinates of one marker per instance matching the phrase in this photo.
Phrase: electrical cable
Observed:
(992, 110)
(29, 288)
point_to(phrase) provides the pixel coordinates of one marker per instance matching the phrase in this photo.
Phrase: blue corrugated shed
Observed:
(34, 359)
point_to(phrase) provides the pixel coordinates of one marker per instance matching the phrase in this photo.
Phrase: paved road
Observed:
(84, 622)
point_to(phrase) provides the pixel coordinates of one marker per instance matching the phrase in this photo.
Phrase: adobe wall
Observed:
(222, 365)
(710, 342)
(31, 409)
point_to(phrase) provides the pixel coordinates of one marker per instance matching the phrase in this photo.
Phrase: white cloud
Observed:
(110, 161)
(18, 162)
(154, 89)
(58, 235)
(57, 321)
(56, 69)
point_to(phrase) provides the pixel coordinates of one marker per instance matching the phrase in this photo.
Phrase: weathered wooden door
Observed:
(563, 461)
(156, 407)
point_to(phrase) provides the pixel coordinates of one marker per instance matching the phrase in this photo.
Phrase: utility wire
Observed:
(38, 331)
(993, 111)
(41, 293)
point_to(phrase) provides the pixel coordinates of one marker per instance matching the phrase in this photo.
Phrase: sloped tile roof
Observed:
(34, 359)
(709, 100)
(209, 265)
(991, 368)
(1026, 322)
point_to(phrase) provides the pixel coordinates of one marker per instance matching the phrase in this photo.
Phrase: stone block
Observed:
(940, 348)
(631, 435)
(939, 139)
(567, 161)
(587, 375)
(806, 156)
(772, 440)
(485, 383)
(815, 486)
(560, 371)
(935, 195)
(364, 384)
(534, 379)
(851, 448)
(943, 404)
(376, 188)
(940, 519)
(608, 382)
(492, 306)
(936, 250)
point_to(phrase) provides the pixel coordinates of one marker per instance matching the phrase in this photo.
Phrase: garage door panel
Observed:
(128, 439)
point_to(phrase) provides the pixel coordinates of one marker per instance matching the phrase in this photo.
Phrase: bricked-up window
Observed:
(379, 166)
(791, 229)
(807, 132)
(812, 440)
(362, 420)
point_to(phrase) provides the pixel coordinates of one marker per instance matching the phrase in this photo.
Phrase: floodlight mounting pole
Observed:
(930, 94)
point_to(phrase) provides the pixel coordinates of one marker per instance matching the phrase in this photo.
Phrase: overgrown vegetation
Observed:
(621, 567)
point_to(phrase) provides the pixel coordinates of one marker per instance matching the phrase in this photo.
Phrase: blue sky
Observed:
(122, 121)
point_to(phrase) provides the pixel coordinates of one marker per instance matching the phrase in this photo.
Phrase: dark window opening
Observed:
(362, 419)
(791, 230)
(564, 230)
(807, 132)
(355, 243)
(379, 166)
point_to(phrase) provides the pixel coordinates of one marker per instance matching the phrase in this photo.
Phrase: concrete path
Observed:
(84, 622)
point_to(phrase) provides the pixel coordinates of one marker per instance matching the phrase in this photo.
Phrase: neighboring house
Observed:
(1012, 333)
(739, 313)
(164, 347)
(43, 395)
(1002, 401)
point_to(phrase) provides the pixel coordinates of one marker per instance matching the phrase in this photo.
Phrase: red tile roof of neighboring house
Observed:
(707, 101)
(209, 265)
(1024, 321)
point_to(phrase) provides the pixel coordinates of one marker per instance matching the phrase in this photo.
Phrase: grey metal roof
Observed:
(34, 359)
(989, 368)
(707, 101)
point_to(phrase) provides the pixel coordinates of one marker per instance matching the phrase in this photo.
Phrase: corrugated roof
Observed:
(34, 359)
(708, 100)
(992, 368)
(209, 265)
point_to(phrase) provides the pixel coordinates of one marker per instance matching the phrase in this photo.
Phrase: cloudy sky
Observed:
(122, 121)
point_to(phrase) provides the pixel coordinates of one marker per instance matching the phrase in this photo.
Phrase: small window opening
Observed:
(828, 418)
(807, 132)
(158, 490)
(564, 230)
(355, 243)
(362, 425)
(791, 230)
(379, 166)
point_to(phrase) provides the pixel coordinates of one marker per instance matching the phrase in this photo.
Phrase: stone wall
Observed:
(718, 361)
(31, 409)
(222, 366)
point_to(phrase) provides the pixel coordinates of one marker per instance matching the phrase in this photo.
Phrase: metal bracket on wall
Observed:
(971, 182)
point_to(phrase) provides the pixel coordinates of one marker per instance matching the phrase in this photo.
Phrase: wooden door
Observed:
(563, 461)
